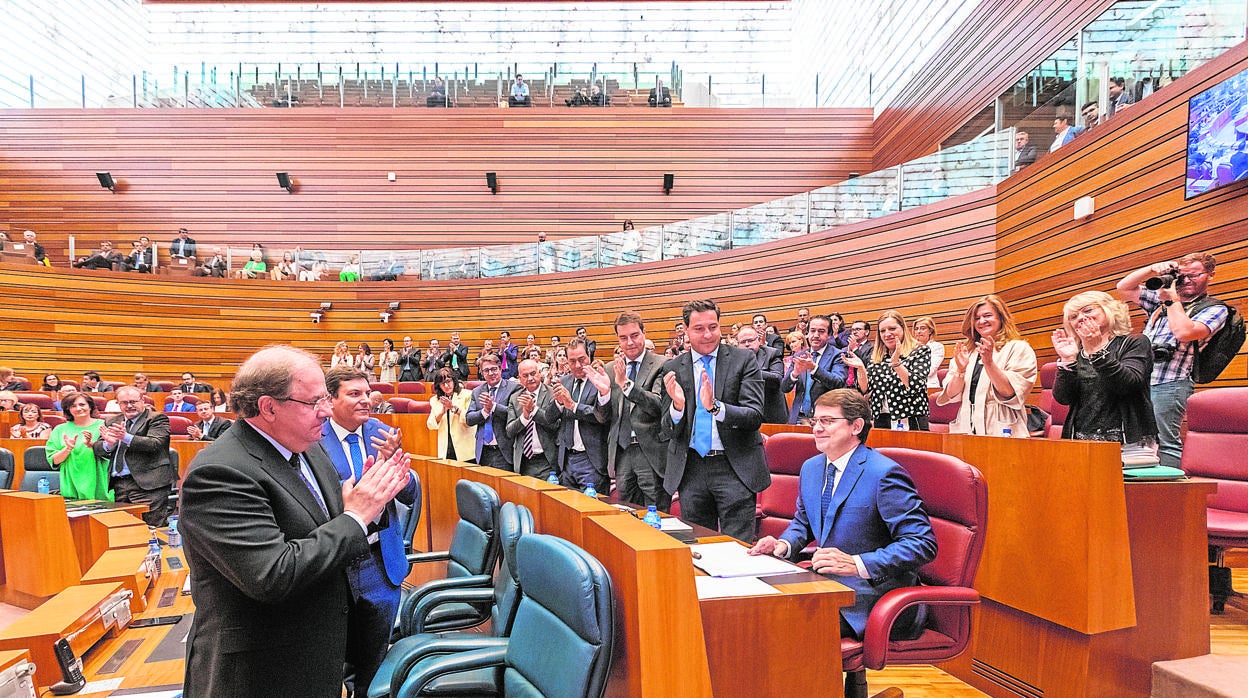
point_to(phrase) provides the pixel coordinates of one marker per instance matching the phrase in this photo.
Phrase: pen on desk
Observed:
(696, 555)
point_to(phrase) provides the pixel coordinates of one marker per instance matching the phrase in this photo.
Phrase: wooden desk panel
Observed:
(73, 614)
(39, 554)
(526, 491)
(490, 477)
(187, 450)
(563, 513)
(443, 512)
(95, 534)
(417, 439)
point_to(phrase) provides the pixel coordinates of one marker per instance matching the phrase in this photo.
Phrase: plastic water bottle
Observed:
(153, 552)
(1007, 432)
(44, 486)
(902, 425)
(652, 517)
(175, 538)
(553, 479)
(591, 492)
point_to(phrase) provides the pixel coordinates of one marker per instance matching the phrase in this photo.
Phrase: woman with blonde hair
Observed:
(992, 371)
(925, 333)
(896, 379)
(342, 356)
(1103, 372)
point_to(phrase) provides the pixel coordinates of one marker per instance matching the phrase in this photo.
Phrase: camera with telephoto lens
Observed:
(1165, 280)
(1163, 352)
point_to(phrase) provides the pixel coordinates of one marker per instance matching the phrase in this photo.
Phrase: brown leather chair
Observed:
(785, 453)
(412, 387)
(383, 388)
(1057, 411)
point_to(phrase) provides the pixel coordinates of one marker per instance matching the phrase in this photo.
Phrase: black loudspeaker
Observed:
(283, 180)
(669, 180)
(491, 181)
(106, 181)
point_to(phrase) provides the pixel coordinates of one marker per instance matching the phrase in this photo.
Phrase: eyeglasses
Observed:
(827, 421)
(322, 401)
(128, 402)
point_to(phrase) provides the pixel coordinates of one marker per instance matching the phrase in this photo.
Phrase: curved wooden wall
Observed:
(568, 172)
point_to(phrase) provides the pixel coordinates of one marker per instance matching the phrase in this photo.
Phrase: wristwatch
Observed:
(715, 408)
(1167, 303)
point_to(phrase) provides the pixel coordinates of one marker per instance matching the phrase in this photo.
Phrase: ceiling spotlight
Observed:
(283, 180)
(106, 181)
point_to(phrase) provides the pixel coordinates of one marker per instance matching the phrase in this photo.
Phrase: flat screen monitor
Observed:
(1217, 136)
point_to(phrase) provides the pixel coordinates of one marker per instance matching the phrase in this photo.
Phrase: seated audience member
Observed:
(9, 381)
(448, 412)
(1091, 113)
(1119, 96)
(1103, 372)
(8, 400)
(578, 99)
(215, 266)
(141, 257)
(103, 258)
(896, 377)
(350, 270)
(598, 98)
(315, 273)
(879, 537)
(379, 403)
(91, 383)
(71, 449)
(255, 266)
(220, 401)
(41, 255)
(1063, 131)
(519, 93)
(437, 94)
(285, 269)
(925, 333)
(141, 382)
(183, 245)
(190, 385)
(31, 425)
(992, 371)
(209, 426)
(65, 391)
(1239, 160)
(1024, 152)
(51, 383)
(177, 403)
(391, 269)
(660, 96)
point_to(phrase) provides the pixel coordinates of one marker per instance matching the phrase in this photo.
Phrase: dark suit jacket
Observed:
(739, 386)
(390, 535)
(828, 375)
(591, 346)
(269, 574)
(547, 430)
(593, 418)
(475, 417)
(434, 362)
(660, 97)
(460, 352)
(147, 455)
(771, 367)
(1025, 157)
(775, 341)
(645, 411)
(175, 249)
(211, 433)
(876, 514)
(196, 387)
(512, 352)
(215, 266)
(409, 367)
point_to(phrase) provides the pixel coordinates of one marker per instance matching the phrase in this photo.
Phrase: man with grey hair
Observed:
(135, 444)
(270, 533)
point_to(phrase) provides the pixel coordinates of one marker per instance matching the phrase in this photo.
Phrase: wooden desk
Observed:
(73, 614)
(39, 553)
(18, 253)
(186, 450)
(11, 658)
(563, 512)
(97, 533)
(123, 566)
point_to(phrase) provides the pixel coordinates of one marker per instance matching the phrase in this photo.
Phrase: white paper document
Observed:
(719, 587)
(671, 523)
(730, 560)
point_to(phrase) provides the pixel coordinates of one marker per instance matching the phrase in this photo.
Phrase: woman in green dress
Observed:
(83, 476)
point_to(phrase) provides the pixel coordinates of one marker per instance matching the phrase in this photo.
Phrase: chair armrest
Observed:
(450, 664)
(436, 646)
(432, 600)
(407, 611)
(413, 558)
(885, 611)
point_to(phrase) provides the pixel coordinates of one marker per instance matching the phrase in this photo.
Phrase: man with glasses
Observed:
(775, 341)
(860, 340)
(771, 367)
(581, 405)
(815, 372)
(271, 534)
(803, 321)
(1178, 330)
(104, 258)
(135, 444)
(862, 511)
(535, 439)
(488, 413)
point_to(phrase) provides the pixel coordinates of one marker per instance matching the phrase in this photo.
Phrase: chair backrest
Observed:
(409, 516)
(1217, 425)
(402, 405)
(514, 522)
(161, 386)
(474, 544)
(43, 400)
(8, 466)
(383, 388)
(940, 416)
(785, 453)
(189, 398)
(412, 387)
(54, 419)
(564, 633)
(36, 465)
(955, 497)
(100, 401)
(178, 424)
(1057, 411)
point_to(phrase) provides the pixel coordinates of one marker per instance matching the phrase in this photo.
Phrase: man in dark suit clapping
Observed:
(582, 406)
(135, 444)
(771, 368)
(636, 453)
(209, 426)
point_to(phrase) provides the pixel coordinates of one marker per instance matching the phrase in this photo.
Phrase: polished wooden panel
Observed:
(124, 566)
(526, 491)
(187, 450)
(39, 554)
(443, 513)
(417, 439)
(97, 533)
(73, 614)
(490, 477)
(563, 513)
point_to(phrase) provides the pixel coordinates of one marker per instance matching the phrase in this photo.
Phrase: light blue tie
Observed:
(702, 419)
(357, 457)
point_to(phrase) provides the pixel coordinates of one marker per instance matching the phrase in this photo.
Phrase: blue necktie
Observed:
(702, 419)
(488, 428)
(829, 486)
(810, 380)
(357, 458)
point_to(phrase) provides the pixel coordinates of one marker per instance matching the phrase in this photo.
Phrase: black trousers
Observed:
(712, 495)
(125, 489)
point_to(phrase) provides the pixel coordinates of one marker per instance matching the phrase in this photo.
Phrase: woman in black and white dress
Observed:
(896, 379)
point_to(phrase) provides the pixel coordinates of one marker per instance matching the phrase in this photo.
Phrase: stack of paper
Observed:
(731, 560)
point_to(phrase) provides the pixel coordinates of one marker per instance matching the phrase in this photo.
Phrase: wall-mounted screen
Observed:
(1217, 136)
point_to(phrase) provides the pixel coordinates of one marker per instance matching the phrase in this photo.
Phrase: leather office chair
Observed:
(35, 462)
(514, 522)
(54, 419)
(409, 519)
(412, 387)
(383, 388)
(561, 642)
(785, 453)
(43, 400)
(402, 405)
(956, 499)
(8, 466)
(161, 386)
(470, 562)
(1217, 425)
(178, 424)
(1057, 411)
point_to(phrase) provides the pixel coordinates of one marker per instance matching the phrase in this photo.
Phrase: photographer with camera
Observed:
(1181, 321)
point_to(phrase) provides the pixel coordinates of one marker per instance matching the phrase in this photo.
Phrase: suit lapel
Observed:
(849, 478)
(333, 448)
(326, 478)
(281, 472)
(721, 370)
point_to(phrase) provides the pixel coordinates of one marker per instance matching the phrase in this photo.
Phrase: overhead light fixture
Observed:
(283, 179)
(669, 180)
(316, 316)
(491, 181)
(106, 181)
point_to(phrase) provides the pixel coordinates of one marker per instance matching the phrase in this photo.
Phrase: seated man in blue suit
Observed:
(353, 439)
(863, 513)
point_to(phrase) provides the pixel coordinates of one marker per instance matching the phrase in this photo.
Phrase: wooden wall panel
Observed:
(566, 172)
(1001, 42)
(928, 261)
(1134, 167)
